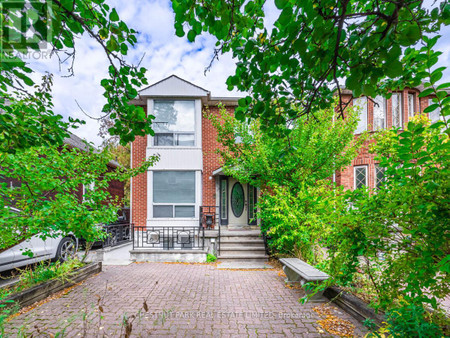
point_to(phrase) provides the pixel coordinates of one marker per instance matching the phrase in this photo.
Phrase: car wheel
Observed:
(66, 249)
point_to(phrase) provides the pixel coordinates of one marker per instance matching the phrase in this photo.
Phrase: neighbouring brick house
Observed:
(380, 113)
(115, 188)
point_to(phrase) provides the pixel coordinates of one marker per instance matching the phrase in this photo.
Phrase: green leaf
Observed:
(191, 35)
(431, 108)
(113, 16)
(281, 3)
(394, 68)
(239, 115)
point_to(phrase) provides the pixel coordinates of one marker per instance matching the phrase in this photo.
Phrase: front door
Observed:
(238, 203)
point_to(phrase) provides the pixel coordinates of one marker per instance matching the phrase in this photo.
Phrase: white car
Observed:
(59, 248)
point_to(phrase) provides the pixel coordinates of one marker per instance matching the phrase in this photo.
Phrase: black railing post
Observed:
(132, 234)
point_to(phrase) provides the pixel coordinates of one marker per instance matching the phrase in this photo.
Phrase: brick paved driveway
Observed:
(188, 300)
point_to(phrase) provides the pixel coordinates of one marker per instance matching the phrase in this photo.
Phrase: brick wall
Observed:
(211, 160)
(346, 176)
(139, 183)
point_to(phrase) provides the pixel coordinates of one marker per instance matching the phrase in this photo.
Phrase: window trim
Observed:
(354, 175)
(194, 132)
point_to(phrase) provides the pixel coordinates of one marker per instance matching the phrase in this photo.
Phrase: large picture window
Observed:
(174, 123)
(173, 194)
(397, 111)
(361, 104)
(379, 113)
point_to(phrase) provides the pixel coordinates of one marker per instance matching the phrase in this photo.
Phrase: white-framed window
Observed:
(360, 173)
(397, 110)
(361, 103)
(379, 113)
(174, 123)
(435, 115)
(173, 194)
(379, 176)
(411, 104)
(87, 188)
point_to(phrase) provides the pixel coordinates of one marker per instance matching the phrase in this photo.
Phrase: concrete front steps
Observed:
(242, 245)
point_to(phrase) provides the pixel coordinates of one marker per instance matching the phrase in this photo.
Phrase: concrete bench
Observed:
(298, 271)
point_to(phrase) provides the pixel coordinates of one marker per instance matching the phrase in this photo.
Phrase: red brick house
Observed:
(115, 188)
(187, 176)
(380, 113)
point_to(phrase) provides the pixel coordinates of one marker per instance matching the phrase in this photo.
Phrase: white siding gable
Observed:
(173, 86)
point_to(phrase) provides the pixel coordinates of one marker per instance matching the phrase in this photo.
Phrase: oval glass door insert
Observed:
(237, 199)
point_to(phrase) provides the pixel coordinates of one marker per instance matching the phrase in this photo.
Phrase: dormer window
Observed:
(174, 123)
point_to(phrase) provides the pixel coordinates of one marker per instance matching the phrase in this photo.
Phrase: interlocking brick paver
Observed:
(186, 301)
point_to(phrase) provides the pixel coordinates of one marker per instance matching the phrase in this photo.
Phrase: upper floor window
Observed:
(379, 113)
(174, 123)
(411, 104)
(397, 110)
(435, 115)
(361, 104)
(360, 177)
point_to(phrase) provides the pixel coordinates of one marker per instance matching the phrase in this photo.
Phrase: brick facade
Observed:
(211, 160)
(346, 176)
(139, 183)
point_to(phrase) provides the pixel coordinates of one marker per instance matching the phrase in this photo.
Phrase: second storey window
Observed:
(174, 123)
(411, 104)
(360, 177)
(379, 113)
(361, 104)
(173, 194)
(397, 110)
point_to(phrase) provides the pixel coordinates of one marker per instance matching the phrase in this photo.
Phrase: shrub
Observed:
(210, 258)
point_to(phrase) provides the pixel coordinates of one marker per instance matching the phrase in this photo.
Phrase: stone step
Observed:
(240, 233)
(228, 247)
(243, 257)
(242, 242)
(242, 251)
(240, 238)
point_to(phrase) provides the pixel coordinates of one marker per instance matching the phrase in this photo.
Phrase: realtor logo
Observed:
(25, 29)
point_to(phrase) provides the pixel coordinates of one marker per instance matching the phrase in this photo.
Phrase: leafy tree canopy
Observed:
(27, 118)
(294, 173)
(314, 45)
